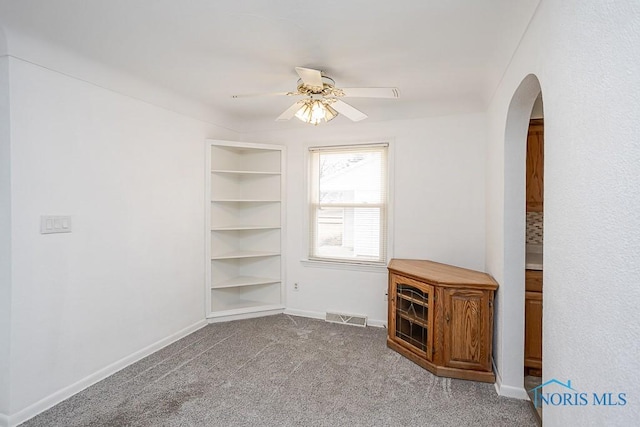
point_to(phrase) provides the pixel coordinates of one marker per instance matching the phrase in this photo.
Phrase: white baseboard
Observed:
(65, 393)
(321, 315)
(507, 390)
(304, 313)
(512, 392)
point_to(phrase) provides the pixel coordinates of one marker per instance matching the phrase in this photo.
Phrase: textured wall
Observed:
(585, 56)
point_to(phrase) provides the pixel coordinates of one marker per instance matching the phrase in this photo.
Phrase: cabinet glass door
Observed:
(414, 315)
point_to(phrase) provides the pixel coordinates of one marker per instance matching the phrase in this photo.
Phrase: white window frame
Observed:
(350, 263)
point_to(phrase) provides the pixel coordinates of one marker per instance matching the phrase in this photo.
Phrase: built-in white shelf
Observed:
(244, 229)
(243, 186)
(245, 201)
(244, 172)
(257, 296)
(245, 254)
(245, 307)
(244, 281)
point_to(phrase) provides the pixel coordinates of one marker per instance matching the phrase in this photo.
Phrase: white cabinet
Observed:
(244, 229)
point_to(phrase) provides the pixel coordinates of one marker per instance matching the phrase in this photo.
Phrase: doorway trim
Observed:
(512, 289)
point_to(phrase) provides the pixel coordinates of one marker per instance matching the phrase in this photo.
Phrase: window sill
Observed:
(344, 265)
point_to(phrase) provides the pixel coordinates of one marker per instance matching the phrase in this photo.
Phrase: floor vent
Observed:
(346, 319)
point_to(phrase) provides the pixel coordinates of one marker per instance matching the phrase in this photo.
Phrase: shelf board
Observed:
(245, 254)
(238, 172)
(244, 281)
(417, 301)
(246, 227)
(245, 201)
(413, 319)
(244, 306)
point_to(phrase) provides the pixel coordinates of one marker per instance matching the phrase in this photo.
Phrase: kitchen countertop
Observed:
(533, 257)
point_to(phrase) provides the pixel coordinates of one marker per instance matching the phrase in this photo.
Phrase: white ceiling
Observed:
(446, 56)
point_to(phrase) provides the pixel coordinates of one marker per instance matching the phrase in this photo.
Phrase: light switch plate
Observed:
(55, 224)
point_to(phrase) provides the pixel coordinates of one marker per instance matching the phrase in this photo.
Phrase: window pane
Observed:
(348, 233)
(351, 177)
(348, 203)
(331, 233)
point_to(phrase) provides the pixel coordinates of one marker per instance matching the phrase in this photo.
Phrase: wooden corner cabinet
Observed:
(244, 229)
(441, 317)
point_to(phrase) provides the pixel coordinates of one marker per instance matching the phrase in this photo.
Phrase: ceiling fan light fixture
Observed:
(321, 100)
(314, 111)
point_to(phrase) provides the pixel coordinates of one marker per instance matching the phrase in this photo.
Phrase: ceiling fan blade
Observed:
(310, 77)
(256, 95)
(290, 112)
(371, 92)
(348, 111)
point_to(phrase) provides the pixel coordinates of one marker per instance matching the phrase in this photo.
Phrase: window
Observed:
(348, 204)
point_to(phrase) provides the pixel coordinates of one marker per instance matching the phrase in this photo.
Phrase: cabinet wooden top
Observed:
(441, 274)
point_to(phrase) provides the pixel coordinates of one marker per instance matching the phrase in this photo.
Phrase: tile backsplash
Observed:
(534, 227)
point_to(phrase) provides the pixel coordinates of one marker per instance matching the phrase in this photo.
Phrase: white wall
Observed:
(437, 209)
(5, 235)
(585, 56)
(58, 57)
(131, 273)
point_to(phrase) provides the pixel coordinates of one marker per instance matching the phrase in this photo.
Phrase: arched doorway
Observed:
(512, 304)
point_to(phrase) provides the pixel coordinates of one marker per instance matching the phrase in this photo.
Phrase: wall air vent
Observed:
(346, 319)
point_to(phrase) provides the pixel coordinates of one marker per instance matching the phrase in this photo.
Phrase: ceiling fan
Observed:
(322, 100)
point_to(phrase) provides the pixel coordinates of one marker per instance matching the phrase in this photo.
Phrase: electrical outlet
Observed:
(295, 286)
